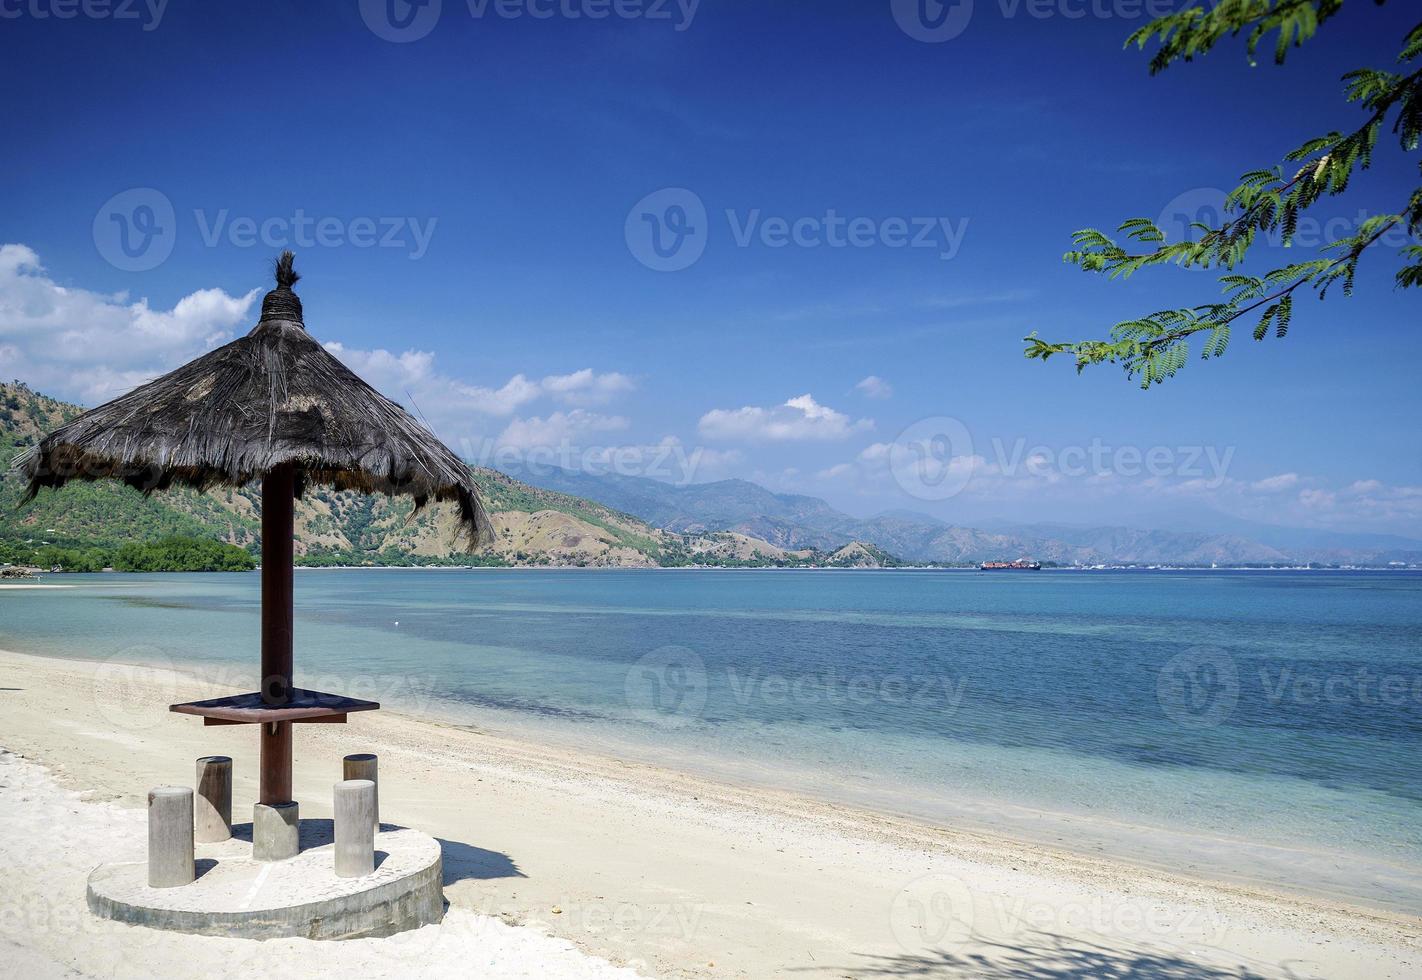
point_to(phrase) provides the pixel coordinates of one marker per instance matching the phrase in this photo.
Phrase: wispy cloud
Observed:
(875, 387)
(1274, 484)
(559, 429)
(413, 371)
(798, 419)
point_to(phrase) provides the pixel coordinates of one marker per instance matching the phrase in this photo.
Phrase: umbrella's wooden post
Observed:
(278, 506)
(276, 763)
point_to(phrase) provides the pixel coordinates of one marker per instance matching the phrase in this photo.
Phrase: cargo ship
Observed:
(1020, 565)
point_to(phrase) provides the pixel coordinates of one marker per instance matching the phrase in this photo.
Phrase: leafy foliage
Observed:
(174, 554)
(182, 555)
(1195, 30)
(1267, 201)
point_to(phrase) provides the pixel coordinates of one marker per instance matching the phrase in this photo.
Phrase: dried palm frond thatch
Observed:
(273, 397)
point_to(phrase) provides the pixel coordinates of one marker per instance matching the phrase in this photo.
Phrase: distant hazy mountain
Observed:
(1231, 533)
(1207, 519)
(798, 521)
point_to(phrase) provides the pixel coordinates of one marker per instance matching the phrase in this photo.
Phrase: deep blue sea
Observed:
(1259, 725)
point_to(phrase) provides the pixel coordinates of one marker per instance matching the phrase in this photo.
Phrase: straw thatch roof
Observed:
(274, 396)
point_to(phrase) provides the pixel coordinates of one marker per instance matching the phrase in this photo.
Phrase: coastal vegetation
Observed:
(170, 554)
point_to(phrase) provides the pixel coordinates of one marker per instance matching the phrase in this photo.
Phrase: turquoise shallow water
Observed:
(1264, 725)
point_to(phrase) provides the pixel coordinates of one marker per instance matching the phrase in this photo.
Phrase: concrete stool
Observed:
(354, 807)
(363, 765)
(212, 813)
(170, 836)
(276, 831)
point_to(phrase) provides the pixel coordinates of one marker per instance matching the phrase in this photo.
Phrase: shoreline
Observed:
(1215, 851)
(699, 871)
(1295, 870)
(1066, 833)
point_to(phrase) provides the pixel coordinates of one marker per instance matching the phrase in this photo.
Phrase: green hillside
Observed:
(86, 526)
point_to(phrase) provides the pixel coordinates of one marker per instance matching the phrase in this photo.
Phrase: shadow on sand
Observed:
(1046, 956)
(462, 862)
(465, 862)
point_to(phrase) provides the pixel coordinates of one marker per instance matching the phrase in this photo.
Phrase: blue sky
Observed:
(479, 193)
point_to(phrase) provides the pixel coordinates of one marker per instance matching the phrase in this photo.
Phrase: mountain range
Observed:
(564, 517)
(798, 521)
(532, 525)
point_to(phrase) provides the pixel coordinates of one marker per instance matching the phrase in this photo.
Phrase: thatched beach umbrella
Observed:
(273, 406)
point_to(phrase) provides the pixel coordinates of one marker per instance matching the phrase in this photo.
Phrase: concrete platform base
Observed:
(235, 895)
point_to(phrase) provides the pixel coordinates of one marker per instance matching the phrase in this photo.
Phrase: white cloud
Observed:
(1284, 481)
(558, 429)
(799, 419)
(874, 452)
(586, 387)
(381, 368)
(1317, 499)
(875, 387)
(449, 402)
(92, 347)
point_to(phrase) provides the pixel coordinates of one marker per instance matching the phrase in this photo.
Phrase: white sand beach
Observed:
(562, 864)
